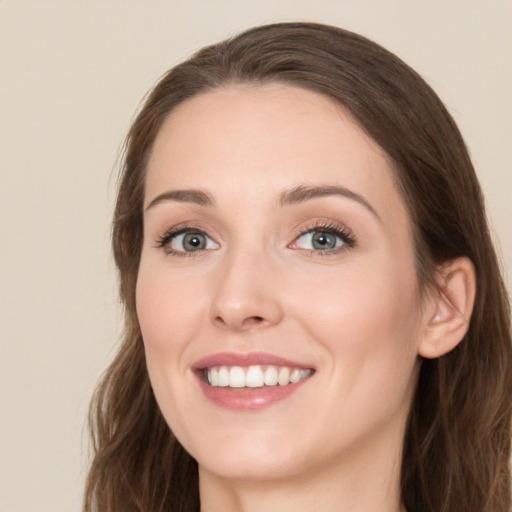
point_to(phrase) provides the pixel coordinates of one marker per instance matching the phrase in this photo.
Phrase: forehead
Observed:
(254, 140)
(243, 114)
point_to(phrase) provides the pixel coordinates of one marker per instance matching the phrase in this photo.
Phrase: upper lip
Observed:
(246, 359)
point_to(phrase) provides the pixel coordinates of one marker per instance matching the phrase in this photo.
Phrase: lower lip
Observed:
(248, 399)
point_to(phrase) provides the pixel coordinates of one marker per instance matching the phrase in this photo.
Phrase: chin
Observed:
(241, 458)
(255, 467)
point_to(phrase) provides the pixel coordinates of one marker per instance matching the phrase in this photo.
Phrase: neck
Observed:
(362, 482)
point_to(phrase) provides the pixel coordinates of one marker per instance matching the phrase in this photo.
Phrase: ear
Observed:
(449, 308)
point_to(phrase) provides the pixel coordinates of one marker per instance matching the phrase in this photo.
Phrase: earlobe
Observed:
(449, 309)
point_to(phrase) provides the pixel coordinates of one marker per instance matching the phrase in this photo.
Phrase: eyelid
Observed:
(329, 226)
(335, 228)
(307, 238)
(183, 234)
(163, 241)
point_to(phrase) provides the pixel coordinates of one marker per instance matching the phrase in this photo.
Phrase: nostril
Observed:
(246, 323)
(252, 321)
(219, 320)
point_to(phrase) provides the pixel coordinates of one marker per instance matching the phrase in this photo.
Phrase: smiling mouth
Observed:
(257, 376)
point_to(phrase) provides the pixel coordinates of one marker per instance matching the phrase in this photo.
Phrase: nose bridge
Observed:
(246, 295)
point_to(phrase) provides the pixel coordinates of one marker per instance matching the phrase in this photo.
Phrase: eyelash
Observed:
(343, 233)
(169, 235)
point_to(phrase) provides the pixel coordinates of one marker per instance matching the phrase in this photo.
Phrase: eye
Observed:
(324, 239)
(318, 240)
(187, 241)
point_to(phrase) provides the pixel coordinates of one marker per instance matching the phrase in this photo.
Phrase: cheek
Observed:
(367, 320)
(367, 329)
(167, 309)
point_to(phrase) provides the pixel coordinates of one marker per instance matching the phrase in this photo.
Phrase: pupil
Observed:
(194, 241)
(324, 240)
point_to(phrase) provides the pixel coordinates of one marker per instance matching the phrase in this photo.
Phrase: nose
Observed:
(247, 295)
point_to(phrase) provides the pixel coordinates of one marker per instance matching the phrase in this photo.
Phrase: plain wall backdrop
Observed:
(71, 77)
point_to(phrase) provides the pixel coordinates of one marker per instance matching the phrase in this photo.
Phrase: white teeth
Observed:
(271, 376)
(213, 377)
(223, 377)
(284, 376)
(295, 375)
(236, 377)
(254, 376)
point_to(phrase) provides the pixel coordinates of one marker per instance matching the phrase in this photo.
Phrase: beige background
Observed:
(71, 76)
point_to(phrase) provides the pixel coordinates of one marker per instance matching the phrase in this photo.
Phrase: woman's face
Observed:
(277, 248)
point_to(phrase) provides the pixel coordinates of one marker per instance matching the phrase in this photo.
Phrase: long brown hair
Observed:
(457, 444)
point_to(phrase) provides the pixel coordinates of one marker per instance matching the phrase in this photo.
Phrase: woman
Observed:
(314, 311)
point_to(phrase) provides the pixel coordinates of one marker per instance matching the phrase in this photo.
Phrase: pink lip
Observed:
(246, 399)
(245, 359)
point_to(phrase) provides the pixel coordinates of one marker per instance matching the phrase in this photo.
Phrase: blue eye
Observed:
(324, 239)
(184, 241)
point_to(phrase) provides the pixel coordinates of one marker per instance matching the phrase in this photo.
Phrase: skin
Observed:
(354, 315)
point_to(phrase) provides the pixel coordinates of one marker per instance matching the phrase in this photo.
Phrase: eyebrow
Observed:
(304, 193)
(296, 195)
(183, 196)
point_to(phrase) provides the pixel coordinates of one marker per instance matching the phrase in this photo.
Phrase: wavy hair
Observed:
(457, 443)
